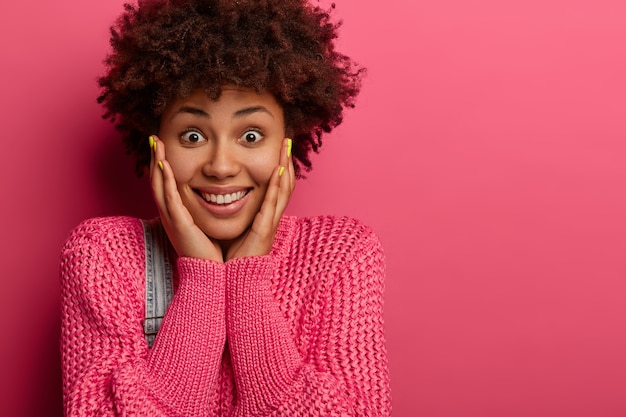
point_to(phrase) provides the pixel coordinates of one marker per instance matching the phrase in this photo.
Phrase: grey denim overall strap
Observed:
(158, 277)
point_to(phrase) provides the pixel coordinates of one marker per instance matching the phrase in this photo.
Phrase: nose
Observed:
(221, 161)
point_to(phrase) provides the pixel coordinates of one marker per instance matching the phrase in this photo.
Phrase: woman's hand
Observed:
(259, 238)
(186, 237)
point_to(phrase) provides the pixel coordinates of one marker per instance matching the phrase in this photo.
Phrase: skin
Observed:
(234, 144)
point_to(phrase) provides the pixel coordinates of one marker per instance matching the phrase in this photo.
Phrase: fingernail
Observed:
(289, 144)
(280, 171)
(160, 164)
(151, 141)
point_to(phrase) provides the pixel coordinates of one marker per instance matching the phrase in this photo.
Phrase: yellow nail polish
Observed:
(151, 141)
(160, 164)
(289, 144)
(280, 171)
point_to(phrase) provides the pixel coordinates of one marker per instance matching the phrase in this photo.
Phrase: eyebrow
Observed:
(239, 113)
(191, 110)
(252, 109)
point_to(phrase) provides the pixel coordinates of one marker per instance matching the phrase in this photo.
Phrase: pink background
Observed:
(487, 150)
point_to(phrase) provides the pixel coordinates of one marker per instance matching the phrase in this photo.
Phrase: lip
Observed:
(220, 190)
(222, 210)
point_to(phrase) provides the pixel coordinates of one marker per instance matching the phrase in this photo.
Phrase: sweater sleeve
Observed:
(107, 367)
(341, 373)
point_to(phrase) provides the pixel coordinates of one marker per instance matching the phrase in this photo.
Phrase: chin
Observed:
(225, 233)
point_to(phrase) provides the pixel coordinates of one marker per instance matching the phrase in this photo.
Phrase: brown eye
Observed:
(252, 136)
(192, 137)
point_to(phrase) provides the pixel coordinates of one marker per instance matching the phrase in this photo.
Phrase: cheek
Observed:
(262, 165)
(182, 166)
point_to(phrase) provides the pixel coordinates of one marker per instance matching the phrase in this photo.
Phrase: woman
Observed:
(270, 314)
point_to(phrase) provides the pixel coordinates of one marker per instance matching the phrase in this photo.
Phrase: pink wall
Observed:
(488, 151)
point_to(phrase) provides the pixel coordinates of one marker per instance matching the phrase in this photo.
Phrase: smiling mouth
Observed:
(223, 199)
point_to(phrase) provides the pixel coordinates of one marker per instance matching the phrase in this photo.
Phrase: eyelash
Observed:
(252, 130)
(187, 131)
(257, 131)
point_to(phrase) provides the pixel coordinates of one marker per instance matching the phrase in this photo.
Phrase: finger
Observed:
(263, 222)
(292, 174)
(178, 213)
(151, 143)
(156, 175)
(287, 182)
(271, 195)
(283, 159)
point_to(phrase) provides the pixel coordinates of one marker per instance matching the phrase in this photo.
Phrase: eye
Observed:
(192, 136)
(251, 136)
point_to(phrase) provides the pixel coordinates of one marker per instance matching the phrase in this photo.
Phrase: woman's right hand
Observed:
(187, 238)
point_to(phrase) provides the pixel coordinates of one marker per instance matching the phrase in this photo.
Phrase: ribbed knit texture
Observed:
(298, 332)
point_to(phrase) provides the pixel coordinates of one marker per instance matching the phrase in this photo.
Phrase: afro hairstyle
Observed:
(164, 49)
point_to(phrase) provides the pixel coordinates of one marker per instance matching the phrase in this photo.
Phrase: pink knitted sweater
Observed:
(298, 332)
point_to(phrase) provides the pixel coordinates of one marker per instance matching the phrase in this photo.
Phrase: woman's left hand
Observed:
(259, 238)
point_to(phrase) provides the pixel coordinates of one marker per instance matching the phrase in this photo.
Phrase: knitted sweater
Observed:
(298, 332)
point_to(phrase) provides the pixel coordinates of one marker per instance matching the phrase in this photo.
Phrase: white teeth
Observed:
(224, 198)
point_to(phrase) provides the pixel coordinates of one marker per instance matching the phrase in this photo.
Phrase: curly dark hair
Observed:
(164, 49)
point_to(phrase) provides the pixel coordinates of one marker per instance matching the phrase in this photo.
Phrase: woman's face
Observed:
(223, 153)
